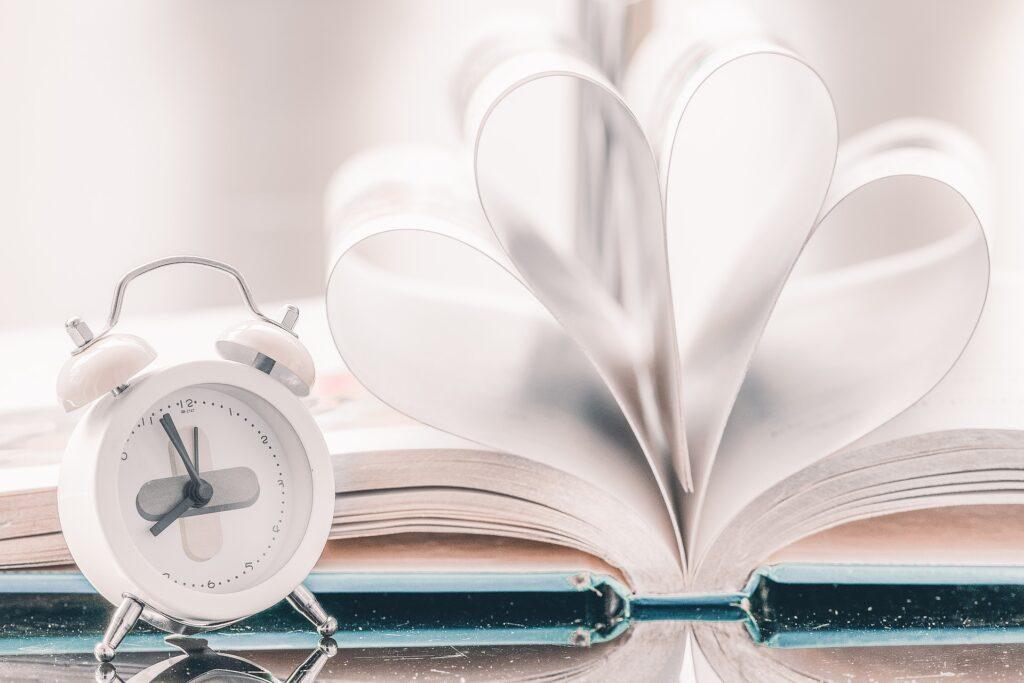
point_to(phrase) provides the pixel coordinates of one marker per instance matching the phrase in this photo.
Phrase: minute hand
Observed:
(172, 433)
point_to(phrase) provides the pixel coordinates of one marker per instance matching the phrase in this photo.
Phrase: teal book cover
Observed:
(782, 606)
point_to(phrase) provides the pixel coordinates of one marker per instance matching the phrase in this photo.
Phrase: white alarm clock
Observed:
(202, 493)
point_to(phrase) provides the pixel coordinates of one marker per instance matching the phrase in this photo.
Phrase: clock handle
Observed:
(122, 286)
(106, 362)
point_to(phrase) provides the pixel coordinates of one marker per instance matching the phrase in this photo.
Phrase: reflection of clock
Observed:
(199, 494)
(200, 663)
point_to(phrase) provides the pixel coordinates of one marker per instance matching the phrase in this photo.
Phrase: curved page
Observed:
(433, 318)
(848, 349)
(746, 138)
(626, 329)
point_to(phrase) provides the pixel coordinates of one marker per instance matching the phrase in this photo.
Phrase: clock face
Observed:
(240, 514)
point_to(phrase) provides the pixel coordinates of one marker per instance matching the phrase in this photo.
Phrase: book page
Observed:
(848, 349)
(456, 553)
(962, 535)
(452, 335)
(416, 480)
(985, 389)
(746, 138)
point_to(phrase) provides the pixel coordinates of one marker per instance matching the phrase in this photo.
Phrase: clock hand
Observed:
(172, 433)
(198, 492)
(173, 514)
(195, 446)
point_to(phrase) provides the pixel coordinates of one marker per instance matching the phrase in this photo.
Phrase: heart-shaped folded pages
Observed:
(475, 314)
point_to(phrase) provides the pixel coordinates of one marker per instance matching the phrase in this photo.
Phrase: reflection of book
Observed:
(674, 438)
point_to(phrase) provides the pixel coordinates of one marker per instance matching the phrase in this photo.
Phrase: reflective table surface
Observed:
(449, 663)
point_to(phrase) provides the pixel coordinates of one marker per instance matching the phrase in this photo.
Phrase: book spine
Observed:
(818, 606)
(846, 605)
(60, 612)
(710, 607)
(782, 606)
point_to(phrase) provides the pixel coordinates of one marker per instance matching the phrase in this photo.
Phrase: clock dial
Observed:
(214, 488)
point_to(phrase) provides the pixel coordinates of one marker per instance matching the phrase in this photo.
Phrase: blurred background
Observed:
(131, 131)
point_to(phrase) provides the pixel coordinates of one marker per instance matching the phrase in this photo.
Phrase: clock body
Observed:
(252, 543)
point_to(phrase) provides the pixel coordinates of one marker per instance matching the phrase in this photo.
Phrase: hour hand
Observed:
(177, 511)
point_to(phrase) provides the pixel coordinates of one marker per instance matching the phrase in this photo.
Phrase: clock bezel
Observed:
(97, 533)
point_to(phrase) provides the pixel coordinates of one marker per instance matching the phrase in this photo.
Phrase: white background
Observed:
(130, 131)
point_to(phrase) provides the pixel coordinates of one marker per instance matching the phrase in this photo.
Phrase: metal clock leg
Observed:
(306, 604)
(121, 624)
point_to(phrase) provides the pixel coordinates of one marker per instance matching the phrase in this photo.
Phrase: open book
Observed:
(731, 363)
(737, 361)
